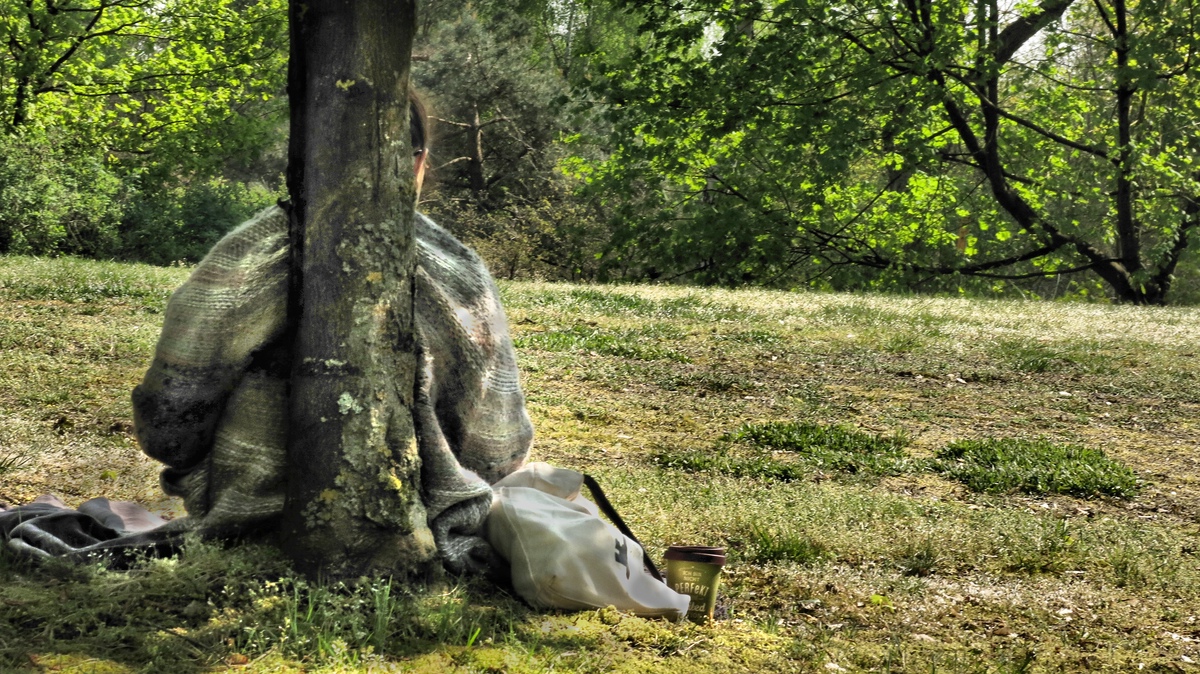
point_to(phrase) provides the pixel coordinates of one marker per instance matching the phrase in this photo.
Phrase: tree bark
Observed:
(1128, 239)
(475, 162)
(353, 501)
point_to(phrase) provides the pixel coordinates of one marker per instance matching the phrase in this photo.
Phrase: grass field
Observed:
(904, 485)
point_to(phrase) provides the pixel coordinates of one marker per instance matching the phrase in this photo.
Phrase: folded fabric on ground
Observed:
(116, 532)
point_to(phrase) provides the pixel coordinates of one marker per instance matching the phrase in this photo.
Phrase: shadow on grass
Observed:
(218, 605)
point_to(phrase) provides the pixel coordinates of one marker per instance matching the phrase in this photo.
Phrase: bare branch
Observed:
(451, 162)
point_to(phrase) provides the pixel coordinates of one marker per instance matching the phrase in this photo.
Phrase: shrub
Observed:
(56, 198)
(182, 223)
(554, 237)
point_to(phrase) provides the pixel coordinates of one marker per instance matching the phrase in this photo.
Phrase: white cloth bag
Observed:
(563, 555)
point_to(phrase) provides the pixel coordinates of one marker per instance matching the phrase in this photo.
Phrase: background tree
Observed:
(136, 76)
(780, 142)
(168, 109)
(501, 116)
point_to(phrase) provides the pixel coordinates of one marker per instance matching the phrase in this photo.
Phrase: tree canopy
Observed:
(139, 77)
(785, 140)
(137, 129)
(979, 146)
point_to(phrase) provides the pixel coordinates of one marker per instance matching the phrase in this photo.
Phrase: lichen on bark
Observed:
(354, 505)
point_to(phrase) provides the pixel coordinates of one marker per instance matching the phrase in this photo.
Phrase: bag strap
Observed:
(609, 511)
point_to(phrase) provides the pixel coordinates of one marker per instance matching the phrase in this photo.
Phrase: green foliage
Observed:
(542, 234)
(882, 144)
(119, 122)
(1003, 466)
(184, 80)
(56, 197)
(499, 125)
(490, 95)
(180, 224)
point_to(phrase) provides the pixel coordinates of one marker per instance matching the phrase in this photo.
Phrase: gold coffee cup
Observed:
(695, 570)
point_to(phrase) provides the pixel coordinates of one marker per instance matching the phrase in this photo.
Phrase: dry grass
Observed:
(907, 572)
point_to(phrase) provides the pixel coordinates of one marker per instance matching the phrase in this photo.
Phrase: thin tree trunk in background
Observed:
(353, 502)
(475, 162)
(1128, 240)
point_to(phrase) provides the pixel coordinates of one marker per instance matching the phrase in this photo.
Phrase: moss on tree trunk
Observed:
(353, 499)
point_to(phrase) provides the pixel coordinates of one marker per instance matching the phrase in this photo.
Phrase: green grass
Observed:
(644, 344)
(720, 461)
(9, 462)
(615, 302)
(993, 466)
(787, 451)
(919, 558)
(828, 447)
(808, 448)
(75, 280)
(774, 546)
(806, 433)
(1005, 466)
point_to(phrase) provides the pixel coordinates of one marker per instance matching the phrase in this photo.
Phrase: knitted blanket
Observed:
(213, 404)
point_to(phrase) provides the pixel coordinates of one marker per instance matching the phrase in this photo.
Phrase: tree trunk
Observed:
(1128, 240)
(353, 502)
(475, 161)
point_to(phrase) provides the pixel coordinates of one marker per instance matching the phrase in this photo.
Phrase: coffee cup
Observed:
(695, 570)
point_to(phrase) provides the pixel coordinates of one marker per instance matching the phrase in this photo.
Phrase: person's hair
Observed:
(418, 122)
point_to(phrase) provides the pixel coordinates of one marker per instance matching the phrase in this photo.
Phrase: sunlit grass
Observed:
(1002, 466)
(807, 433)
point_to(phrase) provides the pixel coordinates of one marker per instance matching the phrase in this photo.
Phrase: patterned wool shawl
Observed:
(213, 405)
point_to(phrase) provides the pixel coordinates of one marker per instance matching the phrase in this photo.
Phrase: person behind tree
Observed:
(213, 404)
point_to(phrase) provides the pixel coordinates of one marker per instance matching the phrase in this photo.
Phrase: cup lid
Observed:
(696, 553)
(698, 548)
